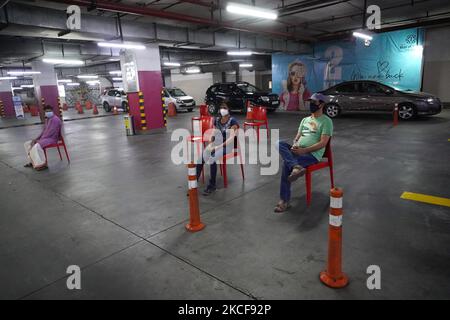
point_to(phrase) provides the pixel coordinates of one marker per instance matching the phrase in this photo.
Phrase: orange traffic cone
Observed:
(34, 111)
(95, 111)
(88, 105)
(172, 110)
(194, 211)
(396, 115)
(333, 275)
(65, 107)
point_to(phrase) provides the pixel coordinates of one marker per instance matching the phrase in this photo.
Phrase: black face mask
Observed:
(313, 106)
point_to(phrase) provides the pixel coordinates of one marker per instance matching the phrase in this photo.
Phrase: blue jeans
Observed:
(290, 160)
(212, 161)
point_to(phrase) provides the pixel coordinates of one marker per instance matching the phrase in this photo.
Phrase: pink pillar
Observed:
(6, 98)
(141, 71)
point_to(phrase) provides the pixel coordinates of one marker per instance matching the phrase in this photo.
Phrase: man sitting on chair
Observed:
(50, 135)
(308, 148)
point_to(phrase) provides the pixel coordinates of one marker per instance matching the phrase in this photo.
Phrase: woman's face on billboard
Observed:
(296, 73)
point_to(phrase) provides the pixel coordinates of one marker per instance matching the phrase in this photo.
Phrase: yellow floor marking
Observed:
(426, 198)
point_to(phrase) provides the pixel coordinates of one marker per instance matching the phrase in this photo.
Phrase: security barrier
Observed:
(142, 111)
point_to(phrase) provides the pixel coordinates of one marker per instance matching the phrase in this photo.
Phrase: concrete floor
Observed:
(119, 210)
(69, 115)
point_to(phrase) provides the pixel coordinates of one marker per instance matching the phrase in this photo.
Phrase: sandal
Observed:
(296, 173)
(281, 207)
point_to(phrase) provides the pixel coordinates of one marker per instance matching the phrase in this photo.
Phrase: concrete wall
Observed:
(436, 76)
(194, 85)
(248, 76)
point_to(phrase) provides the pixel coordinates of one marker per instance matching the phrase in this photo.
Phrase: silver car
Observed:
(114, 98)
(374, 96)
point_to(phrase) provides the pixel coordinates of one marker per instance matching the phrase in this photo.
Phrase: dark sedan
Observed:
(374, 96)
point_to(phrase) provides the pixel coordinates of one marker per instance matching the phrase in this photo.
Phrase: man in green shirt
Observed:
(309, 145)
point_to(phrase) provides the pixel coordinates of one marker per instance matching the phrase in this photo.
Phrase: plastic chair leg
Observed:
(308, 181)
(59, 151)
(67, 154)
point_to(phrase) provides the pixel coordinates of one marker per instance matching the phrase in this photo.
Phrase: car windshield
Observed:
(247, 87)
(176, 92)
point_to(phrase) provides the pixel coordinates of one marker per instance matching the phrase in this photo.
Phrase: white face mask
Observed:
(223, 112)
(49, 114)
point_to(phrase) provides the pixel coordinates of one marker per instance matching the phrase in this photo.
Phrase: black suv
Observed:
(237, 94)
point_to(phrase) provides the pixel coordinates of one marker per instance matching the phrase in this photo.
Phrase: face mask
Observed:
(223, 112)
(49, 114)
(313, 106)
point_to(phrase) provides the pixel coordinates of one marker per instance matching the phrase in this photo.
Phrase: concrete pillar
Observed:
(45, 85)
(141, 71)
(6, 97)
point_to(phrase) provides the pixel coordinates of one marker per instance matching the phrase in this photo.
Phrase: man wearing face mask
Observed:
(50, 135)
(227, 127)
(308, 148)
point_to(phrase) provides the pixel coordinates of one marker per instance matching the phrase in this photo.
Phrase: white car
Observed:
(114, 98)
(180, 99)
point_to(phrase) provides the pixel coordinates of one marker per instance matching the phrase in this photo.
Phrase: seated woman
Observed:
(227, 127)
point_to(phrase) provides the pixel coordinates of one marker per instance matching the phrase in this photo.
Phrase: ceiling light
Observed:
(87, 77)
(27, 86)
(246, 65)
(92, 83)
(20, 73)
(251, 11)
(192, 70)
(116, 72)
(73, 84)
(362, 35)
(63, 61)
(16, 88)
(239, 53)
(65, 80)
(117, 79)
(8, 78)
(172, 64)
(121, 45)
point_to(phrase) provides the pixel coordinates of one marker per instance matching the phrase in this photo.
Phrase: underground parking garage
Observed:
(225, 150)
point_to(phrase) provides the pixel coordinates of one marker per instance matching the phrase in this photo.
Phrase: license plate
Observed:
(274, 102)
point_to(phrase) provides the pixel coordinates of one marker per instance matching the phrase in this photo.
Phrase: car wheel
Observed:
(125, 106)
(332, 110)
(106, 106)
(406, 112)
(212, 109)
(190, 109)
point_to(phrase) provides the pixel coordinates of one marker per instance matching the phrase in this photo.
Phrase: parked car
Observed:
(114, 98)
(237, 94)
(374, 96)
(180, 99)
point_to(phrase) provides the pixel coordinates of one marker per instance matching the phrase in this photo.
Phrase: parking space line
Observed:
(426, 198)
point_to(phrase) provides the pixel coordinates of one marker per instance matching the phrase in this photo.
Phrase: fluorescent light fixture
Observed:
(193, 70)
(117, 79)
(8, 78)
(118, 72)
(63, 61)
(20, 73)
(172, 64)
(16, 88)
(93, 82)
(121, 45)
(85, 76)
(27, 86)
(65, 80)
(251, 11)
(246, 65)
(362, 35)
(73, 84)
(239, 53)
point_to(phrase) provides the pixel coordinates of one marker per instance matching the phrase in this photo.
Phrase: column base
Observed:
(151, 131)
(195, 228)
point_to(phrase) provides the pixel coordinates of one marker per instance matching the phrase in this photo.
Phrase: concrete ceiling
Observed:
(32, 29)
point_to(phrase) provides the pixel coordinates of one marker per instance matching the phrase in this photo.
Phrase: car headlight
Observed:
(179, 101)
(430, 100)
(265, 99)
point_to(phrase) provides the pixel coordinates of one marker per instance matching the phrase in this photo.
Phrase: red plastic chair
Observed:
(256, 117)
(328, 162)
(60, 143)
(235, 153)
(204, 110)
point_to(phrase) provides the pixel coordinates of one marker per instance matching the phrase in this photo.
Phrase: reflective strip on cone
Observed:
(335, 221)
(336, 203)
(192, 172)
(192, 184)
